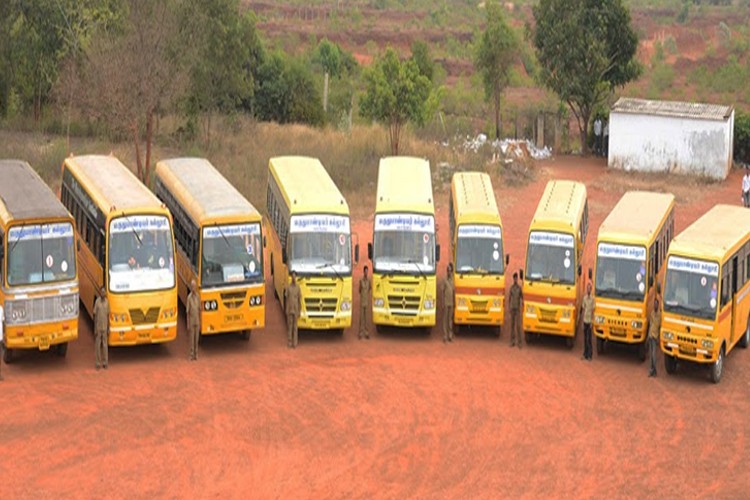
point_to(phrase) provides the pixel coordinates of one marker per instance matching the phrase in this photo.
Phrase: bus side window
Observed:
(725, 284)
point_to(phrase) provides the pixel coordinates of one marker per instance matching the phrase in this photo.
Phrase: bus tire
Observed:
(745, 340)
(670, 364)
(339, 332)
(61, 350)
(642, 350)
(717, 369)
(499, 332)
(7, 355)
(245, 335)
(600, 345)
(570, 342)
(528, 337)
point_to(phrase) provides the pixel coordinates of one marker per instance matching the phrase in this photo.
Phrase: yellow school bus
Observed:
(553, 287)
(311, 235)
(476, 251)
(38, 271)
(630, 251)
(403, 250)
(706, 306)
(219, 240)
(127, 232)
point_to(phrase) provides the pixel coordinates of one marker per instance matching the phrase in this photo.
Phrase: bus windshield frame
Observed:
(395, 235)
(479, 249)
(320, 245)
(621, 272)
(692, 287)
(46, 251)
(231, 254)
(551, 257)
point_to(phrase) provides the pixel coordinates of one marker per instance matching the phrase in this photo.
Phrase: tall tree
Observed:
(495, 53)
(420, 53)
(286, 92)
(396, 93)
(328, 55)
(586, 48)
(136, 74)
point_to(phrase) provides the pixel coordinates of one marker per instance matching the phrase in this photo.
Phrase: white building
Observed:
(671, 136)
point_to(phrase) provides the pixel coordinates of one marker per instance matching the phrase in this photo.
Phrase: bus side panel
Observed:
(280, 270)
(184, 274)
(90, 276)
(741, 315)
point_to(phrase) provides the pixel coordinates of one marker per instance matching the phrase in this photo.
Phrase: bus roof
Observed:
(404, 185)
(24, 195)
(474, 198)
(715, 235)
(202, 190)
(111, 184)
(306, 186)
(637, 217)
(562, 203)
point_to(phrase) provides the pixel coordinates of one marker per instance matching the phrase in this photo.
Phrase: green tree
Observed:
(286, 93)
(224, 52)
(585, 48)
(396, 93)
(495, 53)
(420, 53)
(328, 55)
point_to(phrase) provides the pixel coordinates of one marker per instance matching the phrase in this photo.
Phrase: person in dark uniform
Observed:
(364, 304)
(193, 313)
(448, 301)
(292, 306)
(587, 311)
(515, 303)
(101, 330)
(654, 327)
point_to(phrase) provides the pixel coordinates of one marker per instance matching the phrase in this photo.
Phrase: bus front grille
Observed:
(320, 305)
(138, 317)
(687, 340)
(405, 304)
(480, 306)
(233, 300)
(44, 309)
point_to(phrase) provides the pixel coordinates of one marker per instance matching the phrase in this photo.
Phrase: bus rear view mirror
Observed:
(591, 274)
(520, 274)
(580, 270)
(437, 253)
(507, 259)
(283, 255)
(78, 245)
(369, 251)
(264, 241)
(356, 253)
(651, 283)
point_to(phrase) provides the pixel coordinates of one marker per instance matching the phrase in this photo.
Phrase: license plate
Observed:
(144, 336)
(687, 349)
(233, 318)
(44, 343)
(620, 332)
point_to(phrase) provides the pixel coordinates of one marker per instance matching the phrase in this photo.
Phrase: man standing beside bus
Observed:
(516, 301)
(654, 327)
(292, 306)
(746, 188)
(101, 329)
(364, 303)
(448, 293)
(193, 312)
(587, 309)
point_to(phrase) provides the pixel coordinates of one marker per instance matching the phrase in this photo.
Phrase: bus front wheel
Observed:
(245, 334)
(599, 345)
(642, 350)
(570, 342)
(717, 369)
(7, 355)
(670, 364)
(62, 350)
(745, 340)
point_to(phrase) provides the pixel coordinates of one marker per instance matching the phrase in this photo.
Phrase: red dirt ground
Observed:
(400, 415)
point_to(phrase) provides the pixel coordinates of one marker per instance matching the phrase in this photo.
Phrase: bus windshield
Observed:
(141, 255)
(621, 272)
(551, 258)
(320, 244)
(41, 253)
(232, 254)
(404, 243)
(479, 249)
(691, 287)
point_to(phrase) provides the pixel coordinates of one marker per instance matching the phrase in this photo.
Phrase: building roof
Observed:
(675, 109)
(24, 195)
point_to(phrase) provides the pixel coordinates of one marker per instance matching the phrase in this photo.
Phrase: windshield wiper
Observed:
(416, 264)
(10, 252)
(135, 233)
(328, 264)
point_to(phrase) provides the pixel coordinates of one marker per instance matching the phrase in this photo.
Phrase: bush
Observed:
(742, 137)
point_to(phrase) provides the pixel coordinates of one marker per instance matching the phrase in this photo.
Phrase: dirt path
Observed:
(401, 415)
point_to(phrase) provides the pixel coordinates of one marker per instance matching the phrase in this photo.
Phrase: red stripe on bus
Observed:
(467, 290)
(558, 301)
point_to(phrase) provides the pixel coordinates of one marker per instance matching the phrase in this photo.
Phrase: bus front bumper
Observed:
(626, 335)
(691, 348)
(232, 322)
(421, 318)
(40, 336)
(142, 334)
(338, 321)
(492, 317)
(559, 326)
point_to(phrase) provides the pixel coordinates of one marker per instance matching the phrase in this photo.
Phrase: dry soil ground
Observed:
(400, 415)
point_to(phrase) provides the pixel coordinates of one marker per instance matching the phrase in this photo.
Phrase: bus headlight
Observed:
(599, 320)
(69, 305)
(346, 305)
(566, 313)
(530, 309)
(707, 344)
(210, 305)
(461, 302)
(429, 303)
(496, 302)
(379, 302)
(256, 301)
(18, 311)
(637, 324)
(169, 313)
(667, 335)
